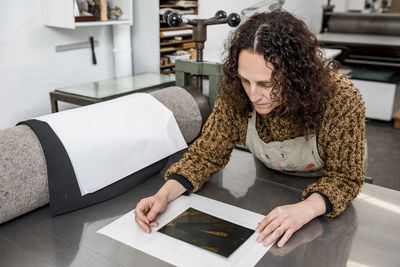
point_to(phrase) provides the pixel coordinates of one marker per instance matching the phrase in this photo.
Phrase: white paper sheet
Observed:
(113, 139)
(180, 253)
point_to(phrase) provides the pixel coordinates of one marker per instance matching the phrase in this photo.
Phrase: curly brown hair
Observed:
(299, 68)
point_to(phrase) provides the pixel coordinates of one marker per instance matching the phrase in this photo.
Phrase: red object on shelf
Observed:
(85, 18)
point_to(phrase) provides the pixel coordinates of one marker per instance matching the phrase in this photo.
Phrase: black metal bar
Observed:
(91, 40)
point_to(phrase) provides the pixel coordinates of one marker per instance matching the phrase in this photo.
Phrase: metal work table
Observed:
(94, 92)
(366, 234)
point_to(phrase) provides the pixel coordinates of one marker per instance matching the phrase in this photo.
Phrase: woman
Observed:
(293, 110)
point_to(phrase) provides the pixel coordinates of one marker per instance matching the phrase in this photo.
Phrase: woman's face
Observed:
(255, 75)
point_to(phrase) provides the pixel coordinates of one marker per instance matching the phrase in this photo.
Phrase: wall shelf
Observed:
(176, 42)
(169, 65)
(175, 28)
(60, 13)
(100, 23)
(177, 6)
(176, 35)
(172, 49)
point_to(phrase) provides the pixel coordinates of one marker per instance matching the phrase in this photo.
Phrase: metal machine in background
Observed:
(184, 69)
(370, 44)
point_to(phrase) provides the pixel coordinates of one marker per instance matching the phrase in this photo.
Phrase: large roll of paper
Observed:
(26, 163)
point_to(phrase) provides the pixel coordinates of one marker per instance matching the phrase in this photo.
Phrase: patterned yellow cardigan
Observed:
(341, 144)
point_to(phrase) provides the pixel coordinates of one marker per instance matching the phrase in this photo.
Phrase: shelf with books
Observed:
(175, 40)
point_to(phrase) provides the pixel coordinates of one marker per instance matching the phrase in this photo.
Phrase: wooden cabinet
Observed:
(173, 39)
(60, 13)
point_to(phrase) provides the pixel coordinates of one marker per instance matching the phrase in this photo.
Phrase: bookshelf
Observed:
(173, 39)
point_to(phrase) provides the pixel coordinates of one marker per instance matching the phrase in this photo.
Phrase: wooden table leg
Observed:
(54, 103)
(56, 97)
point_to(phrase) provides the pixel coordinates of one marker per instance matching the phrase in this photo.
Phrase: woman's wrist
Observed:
(316, 205)
(171, 190)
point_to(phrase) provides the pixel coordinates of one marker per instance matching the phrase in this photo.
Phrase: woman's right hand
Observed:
(148, 209)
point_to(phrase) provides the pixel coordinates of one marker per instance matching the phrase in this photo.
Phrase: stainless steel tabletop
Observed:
(366, 234)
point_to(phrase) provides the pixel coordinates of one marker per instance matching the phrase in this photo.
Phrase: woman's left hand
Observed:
(285, 220)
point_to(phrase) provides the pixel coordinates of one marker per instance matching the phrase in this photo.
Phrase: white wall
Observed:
(29, 66)
(343, 5)
(145, 36)
(308, 10)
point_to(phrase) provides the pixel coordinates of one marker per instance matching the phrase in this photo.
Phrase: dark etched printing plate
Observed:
(208, 232)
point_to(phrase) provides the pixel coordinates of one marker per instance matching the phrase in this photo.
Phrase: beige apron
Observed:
(298, 156)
